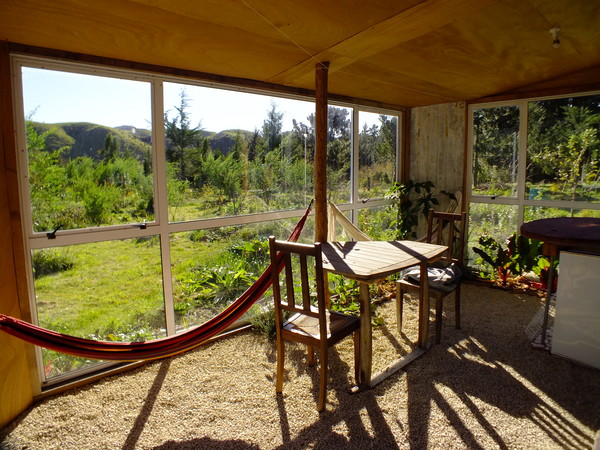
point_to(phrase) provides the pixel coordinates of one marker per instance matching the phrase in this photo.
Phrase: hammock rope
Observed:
(153, 349)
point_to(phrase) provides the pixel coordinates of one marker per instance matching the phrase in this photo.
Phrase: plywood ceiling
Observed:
(404, 53)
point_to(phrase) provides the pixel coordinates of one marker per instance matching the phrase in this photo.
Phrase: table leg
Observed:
(423, 307)
(548, 298)
(366, 335)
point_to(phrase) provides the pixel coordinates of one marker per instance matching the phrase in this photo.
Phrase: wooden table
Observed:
(573, 233)
(368, 261)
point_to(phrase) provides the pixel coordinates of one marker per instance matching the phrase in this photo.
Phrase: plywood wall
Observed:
(15, 371)
(437, 144)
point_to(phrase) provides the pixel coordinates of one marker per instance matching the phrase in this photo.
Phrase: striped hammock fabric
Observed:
(154, 349)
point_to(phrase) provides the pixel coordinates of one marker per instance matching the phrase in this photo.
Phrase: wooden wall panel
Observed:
(15, 371)
(437, 143)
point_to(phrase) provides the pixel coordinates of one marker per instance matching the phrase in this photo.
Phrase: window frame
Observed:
(520, 201)
(160, 226)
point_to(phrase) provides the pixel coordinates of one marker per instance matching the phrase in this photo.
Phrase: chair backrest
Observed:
(299, 261)
(445, 228)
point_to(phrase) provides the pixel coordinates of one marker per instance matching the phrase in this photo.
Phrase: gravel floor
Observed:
(482, 387)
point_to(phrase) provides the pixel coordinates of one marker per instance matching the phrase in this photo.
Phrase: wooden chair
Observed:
(312, 325)
(443, 229)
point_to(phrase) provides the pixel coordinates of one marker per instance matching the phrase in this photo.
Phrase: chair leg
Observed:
(399, 306)
(323, 378)
(457, 307)
(439, 305)
(280, 364)
(310, 355)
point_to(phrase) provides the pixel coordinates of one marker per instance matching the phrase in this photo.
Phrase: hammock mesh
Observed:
(153, 349)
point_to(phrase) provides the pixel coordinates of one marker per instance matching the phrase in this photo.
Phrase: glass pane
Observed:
(377, 222)
(495, 151)
(232, 153)
(89, 149)
(339, 149)
(563, 149)
(212, 267)
(535, 213)
(110, 291)
(496, 221)
(376, 154)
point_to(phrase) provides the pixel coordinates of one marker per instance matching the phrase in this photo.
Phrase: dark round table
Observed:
(581, 233)
(573, 233)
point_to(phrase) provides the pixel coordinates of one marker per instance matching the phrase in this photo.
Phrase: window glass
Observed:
(108, 291)
(536, 212)
(227, 153)
(232, 153)
(378, 222)
(89, 149)
(213, 267)
(495, 151)
(491, 220)
(563, 149)
(339, 149)
(376, 154)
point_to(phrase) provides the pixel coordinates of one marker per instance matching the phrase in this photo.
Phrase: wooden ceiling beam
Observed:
(417, 21)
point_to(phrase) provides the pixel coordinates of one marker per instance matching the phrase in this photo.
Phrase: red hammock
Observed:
(154, 349)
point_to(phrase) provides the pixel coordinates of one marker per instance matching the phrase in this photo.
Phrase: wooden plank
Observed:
(320, 158)
(15, 385)
(403, 27)
(396, 366)
(437, 144)
(372, 260)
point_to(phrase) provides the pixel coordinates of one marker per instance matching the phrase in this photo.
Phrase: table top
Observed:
(371, 260)
(564, 231)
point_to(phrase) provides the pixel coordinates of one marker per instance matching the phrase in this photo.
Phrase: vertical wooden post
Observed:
(320, 159)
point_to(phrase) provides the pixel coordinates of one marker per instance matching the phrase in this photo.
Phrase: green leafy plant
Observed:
(49, 261)
(492, 253)
(520, 255)
(541, 270)
(410, 200)
(344, 295)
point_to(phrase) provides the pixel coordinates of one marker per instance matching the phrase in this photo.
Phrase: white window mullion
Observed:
(161, 209)
(522, 167)
(354, 164)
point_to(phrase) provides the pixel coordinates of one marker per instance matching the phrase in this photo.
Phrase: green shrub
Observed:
(46, 262)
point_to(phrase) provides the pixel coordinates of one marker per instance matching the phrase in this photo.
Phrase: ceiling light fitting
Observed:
(555, 39)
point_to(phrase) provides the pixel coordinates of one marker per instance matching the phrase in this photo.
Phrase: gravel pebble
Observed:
(483, 387)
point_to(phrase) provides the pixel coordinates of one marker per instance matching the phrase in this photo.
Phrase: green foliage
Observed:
(263, 320)
(82, 192)
(411, 200)
(563, 149)
(345, 295)
(541, 269)
(221, 281)
(492, 253)
(519, 255)
(110, 181)
(49, 261)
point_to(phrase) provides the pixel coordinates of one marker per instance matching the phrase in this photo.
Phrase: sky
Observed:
(55, 97)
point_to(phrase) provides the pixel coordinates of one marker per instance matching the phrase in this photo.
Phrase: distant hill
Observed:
(226, 139)
(88, 139)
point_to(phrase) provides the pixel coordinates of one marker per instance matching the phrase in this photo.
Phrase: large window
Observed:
(147, 201)
(533, 159)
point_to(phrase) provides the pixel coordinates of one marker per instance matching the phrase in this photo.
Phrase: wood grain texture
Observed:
(371, 260)
(437, 145)
(15, 384)
(407, 54)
